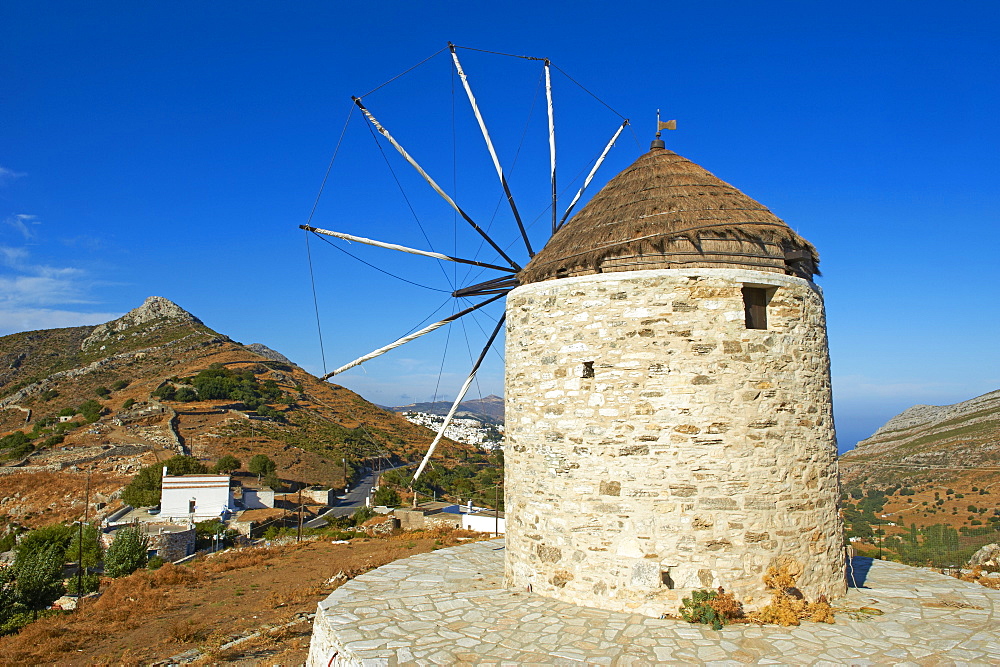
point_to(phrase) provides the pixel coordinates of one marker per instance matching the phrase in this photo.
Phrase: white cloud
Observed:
(36, 296)
(8, 175)
(30, 319)
(23, 223)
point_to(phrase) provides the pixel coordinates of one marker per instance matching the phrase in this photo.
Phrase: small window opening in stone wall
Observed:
(665, 579)
(588, 369)
(755, 300)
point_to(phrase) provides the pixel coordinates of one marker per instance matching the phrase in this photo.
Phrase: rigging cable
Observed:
(582, 87)
(393, 275)
(468, 347)
(513, 164)
(312, 275)
(566, 188)
(408, 204)
(312, 279)
(403, 73)
(496, 53)
(444, 355)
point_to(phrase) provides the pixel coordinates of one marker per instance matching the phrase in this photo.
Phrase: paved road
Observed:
(354, 499)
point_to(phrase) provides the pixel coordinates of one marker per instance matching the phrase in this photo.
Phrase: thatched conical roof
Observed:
(665, 211)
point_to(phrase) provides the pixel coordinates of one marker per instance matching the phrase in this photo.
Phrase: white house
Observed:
(479, 519)
(258, 498)
(484, 521)
(197, 497)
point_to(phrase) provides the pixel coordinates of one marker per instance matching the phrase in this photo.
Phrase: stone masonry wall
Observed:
(656, 445)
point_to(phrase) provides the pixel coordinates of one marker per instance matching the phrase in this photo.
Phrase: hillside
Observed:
(112, 398)
(929, 477)
(193, 611)
(488, 410)
(941, 444)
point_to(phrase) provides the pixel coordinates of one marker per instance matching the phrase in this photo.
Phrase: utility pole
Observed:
(879, 523)
(79, 560)
(298, 537)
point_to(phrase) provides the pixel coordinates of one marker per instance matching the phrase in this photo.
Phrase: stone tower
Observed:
(668, 406)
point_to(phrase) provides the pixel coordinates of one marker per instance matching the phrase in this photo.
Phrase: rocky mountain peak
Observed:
(268, 353)
(153, 308)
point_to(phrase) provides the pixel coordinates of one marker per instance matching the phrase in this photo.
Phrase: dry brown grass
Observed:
(144, 618)
(979, 577)
(787, 606)
(241, 558)
(726, 606)
(44, 498)
(296, 595)
(186, 630)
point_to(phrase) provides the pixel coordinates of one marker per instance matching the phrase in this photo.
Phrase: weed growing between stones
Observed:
(715, 608)
(787, 606)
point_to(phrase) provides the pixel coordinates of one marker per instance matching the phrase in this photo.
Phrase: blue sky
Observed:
(174, 148)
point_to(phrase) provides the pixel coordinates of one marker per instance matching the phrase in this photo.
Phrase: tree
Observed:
(227, 463)
(36, 540)
(119, 385)
(127, 553)
(386, 496)
(91, 551)
(37, 576)
(186, 395)
(166, 392)
(144, 489)
(261, 465)
(91, 410)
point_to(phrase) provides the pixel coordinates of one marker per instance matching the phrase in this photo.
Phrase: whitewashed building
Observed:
(197, 497)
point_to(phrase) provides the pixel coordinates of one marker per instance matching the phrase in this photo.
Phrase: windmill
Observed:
(667, 391)
(506, 268)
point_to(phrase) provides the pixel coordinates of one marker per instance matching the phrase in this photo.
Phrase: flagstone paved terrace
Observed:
(449, 607)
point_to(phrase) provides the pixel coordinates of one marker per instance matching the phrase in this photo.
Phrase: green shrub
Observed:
(128, 404)
(166, 392)
(361, 515)
(127, 553)
(185, 395)
(91, 410)
(103, 392)
(49, 394)
(227, 463)
(53, 441)
(38, 575)
(386, 496)
(88, 584)
(696, 609)
(15, 439)
(119, 385)
(261, 465)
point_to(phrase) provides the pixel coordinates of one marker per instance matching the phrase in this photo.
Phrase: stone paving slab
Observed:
(449, 607)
